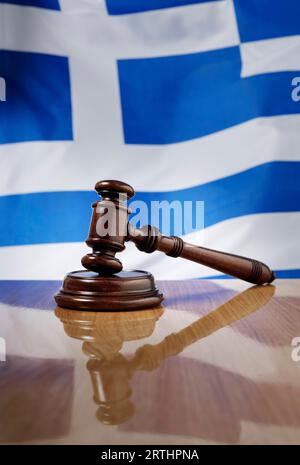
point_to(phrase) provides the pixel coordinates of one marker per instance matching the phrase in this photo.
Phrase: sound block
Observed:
(127, 290)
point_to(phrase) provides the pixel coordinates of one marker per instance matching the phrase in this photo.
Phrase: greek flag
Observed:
(182, 99)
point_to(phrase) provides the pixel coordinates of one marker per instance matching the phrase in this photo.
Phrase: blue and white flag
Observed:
(182, 99)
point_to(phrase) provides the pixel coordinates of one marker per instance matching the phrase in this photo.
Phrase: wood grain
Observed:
(213, 365)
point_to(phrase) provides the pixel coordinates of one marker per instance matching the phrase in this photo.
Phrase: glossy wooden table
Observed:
(214, 366)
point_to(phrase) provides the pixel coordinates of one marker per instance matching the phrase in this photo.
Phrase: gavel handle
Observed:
(148, 239)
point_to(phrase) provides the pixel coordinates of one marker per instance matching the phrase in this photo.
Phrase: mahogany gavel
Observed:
(148, 239)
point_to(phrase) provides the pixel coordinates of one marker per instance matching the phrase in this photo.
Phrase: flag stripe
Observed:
(202, 26)
(121, 7)
(269, 56)
(64, 216)
(262, 19)
(48, 4)
(255, 236)
(177, 98)
(148, 167)
(38, 97)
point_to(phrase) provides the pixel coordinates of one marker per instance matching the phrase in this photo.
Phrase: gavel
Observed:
(110, 229)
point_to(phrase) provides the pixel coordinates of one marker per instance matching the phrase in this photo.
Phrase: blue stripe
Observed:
(49, 4)
(280, 274)
(65, 216)
(262, 19)
(38, 97)
(177, 98)
(45, 217)
(121, 7)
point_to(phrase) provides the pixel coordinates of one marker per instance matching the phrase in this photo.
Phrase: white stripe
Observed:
(255, 236)
(78, 165)
(81, 6)
(75, 30)
(32, 30)
(270, 56)
(173, 31)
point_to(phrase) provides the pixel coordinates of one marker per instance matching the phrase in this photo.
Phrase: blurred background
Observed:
(182, 99)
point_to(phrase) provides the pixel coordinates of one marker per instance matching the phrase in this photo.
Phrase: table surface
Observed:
(213, 366)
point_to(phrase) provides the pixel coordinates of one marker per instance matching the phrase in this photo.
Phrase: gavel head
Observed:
(108, 229)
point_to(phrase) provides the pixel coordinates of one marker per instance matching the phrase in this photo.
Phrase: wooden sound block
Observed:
(127, 290)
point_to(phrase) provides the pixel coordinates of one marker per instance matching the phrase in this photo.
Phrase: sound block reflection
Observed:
(127, 290)
(103, 337)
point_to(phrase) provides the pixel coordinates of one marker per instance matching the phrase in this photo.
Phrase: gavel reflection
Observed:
(104, 334)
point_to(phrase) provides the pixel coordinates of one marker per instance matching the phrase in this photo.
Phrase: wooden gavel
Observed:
(148, 239)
